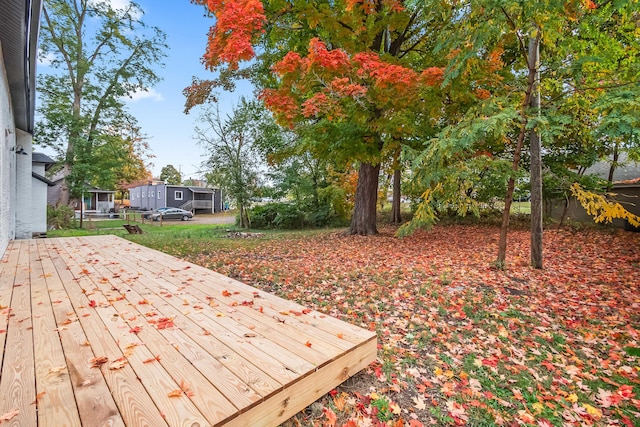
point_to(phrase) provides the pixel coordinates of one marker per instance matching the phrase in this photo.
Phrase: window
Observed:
(152, 194)
(178, 195)
(159, 196)
(143, 195)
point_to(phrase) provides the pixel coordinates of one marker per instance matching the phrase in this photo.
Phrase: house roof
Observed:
(43, 179)
(627, 171)
(19, 25)
(201, 190)
(42, 158)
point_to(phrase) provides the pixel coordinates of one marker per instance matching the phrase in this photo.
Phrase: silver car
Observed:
(172, 213)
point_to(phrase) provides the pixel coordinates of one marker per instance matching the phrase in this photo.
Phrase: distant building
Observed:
(95, 200)
(39, 187)
(625, 186)
(195, 199)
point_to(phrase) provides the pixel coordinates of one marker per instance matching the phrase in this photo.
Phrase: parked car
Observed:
(172, 213)
(149, 214)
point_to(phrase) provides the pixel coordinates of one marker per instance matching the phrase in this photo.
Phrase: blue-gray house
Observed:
(195, 199)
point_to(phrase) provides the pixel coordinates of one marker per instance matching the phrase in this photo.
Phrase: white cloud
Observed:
(45, 60)
(145, 94)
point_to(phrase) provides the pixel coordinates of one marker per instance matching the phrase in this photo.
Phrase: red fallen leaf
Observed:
(118, 364)
(308, 344)
(8, 415)
(2, 331)
(143, 302)
(152, 359)
(226, 293)
(547, 364)
(92, 303)
(135, 330)
(164, 323)
(332, 418)
(96, 362)
(306, 311)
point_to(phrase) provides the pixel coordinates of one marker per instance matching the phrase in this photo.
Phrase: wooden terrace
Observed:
(99, 331)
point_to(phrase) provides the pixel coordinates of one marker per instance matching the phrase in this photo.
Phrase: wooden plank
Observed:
(94, 401)
(134, 403)
(305, 340)
(8, 266)
(55, 400)
(117, 275)
(165, 343)
(177, 411)
(261, 349)
(17, 379)
(307, 390)
(297, 394)
(242, 382)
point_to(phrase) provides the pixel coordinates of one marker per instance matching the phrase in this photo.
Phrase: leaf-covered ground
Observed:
(461, 342)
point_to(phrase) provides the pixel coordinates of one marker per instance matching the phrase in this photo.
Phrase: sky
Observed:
(160, 111)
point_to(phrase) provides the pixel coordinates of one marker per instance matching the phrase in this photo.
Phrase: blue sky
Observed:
(160, 111)
(161, 115)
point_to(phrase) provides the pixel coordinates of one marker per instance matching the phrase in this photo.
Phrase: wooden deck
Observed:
(101, 331)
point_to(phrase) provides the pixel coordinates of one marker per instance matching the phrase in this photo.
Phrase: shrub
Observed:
(59, 217)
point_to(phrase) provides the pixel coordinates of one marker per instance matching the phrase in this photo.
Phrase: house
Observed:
(625, 190)
(95, 200)
(39, 186)
(156, 195)
(19, 25)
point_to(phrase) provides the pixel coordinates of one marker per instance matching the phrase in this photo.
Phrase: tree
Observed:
(233, 157)
(354, 70)
(170, 175)
(99, 56)
(487, 48)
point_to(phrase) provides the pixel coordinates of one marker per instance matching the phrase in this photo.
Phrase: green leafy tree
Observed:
(234, 159)
(352, 74)
(489, 46)
(99, 56)
(170, 175)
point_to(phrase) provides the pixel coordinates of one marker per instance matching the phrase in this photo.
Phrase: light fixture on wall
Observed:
(19, 149)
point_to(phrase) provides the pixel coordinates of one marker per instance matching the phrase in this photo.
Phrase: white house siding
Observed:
(24, 195)
(7, 162)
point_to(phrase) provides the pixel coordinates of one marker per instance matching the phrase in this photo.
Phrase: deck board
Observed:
(185, 346)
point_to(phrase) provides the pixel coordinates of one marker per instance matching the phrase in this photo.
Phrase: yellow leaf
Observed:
(573, 398)
(538, 407)
(594, 412)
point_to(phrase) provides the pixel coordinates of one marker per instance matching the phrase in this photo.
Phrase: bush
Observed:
(59, 217)
(293, 216)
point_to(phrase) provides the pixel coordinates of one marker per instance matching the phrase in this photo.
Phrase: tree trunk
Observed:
(363, 221)
(396, 216)
(535, 149)
(502, 244)
(614, 164)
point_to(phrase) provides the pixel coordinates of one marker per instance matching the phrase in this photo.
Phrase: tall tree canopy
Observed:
(588, 59)
(353, 73)
(232, 144)
(171, 175)
(99, 56)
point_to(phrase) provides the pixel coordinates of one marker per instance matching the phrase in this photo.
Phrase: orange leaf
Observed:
(308, 344)
(8, 415)
(175, 393)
